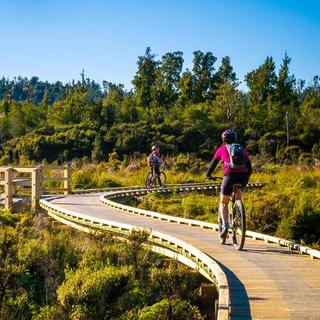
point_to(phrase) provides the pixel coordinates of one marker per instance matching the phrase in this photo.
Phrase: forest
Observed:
(184, 111)
(105, 131)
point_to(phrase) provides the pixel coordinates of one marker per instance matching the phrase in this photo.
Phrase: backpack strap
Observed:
(228, 146)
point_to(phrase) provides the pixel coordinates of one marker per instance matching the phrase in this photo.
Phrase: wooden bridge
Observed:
(271, 279)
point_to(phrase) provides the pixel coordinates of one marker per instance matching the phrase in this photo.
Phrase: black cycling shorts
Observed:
(229, 180)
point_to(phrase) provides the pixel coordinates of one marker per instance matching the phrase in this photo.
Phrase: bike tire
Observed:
(149, 183)
(163, 178)
(238, 225)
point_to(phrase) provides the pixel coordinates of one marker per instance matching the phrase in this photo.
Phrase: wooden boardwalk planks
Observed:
(266, 281)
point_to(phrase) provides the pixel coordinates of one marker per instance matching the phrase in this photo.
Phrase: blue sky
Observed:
(55, 39)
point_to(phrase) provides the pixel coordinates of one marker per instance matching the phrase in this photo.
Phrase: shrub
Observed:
(192, 207)
(180, 164)
(81, 180)
(288, 155)
(160, 310)
(316, 150)
(90, 294)
(305, 158)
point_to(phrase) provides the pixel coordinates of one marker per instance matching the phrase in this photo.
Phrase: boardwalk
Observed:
(265, 281)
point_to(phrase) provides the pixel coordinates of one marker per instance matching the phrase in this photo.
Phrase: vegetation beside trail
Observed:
(49, 272)
(287, 207)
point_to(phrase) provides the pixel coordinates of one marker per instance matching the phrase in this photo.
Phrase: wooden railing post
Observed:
(8, 190)
(67, 181)
(35, 189)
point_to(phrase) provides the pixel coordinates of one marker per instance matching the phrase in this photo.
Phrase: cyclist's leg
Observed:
(238, 194)
(153, 173)
(223, 208)
(157, 172)
(226, 190)
(243, 180)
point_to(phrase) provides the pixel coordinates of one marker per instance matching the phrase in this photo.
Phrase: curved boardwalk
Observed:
(265, 281)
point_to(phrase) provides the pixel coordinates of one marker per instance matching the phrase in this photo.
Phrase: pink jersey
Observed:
(222, 154)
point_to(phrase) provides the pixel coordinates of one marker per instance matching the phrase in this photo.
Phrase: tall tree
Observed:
(168, 73)
(203, 74)
(112, 103)
(229, 107)
(185, 87)
(225, 73)
(285, 101)
(308, 123)
(145, 78)
(261, 83)
(285, 91)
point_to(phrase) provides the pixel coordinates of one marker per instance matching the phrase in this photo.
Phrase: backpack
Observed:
(237, 156)
(152, 160)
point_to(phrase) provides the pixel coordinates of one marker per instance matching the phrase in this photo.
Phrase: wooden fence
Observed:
(34, 178)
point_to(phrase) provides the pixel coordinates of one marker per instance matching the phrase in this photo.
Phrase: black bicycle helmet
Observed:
(229, 136)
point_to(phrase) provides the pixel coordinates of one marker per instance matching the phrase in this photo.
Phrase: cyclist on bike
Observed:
(231, 175)
(154, 161)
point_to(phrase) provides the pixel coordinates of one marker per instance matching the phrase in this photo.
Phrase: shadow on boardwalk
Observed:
(239, 300)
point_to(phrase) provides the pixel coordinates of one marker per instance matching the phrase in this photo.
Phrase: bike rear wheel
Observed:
(238, 225)
(163, 178)
(152, 181)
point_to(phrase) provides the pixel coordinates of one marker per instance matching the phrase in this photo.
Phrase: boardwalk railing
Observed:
(34, 178)
(110, 197)
(160, 243)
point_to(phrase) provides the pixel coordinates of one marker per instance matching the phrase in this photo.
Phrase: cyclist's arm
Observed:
(248, 162)
(249, 167)
(214, 162)
(212, 166)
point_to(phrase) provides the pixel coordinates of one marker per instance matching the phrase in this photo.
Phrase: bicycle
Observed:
(152, 181)
(237, 219)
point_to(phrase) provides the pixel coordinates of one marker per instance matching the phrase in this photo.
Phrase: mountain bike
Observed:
(152, 181)
(237, 219)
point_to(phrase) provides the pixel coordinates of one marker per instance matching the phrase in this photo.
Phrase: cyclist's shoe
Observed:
(224, 231)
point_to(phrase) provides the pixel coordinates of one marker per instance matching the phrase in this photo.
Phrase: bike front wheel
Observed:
(150, 181)
(238, 225)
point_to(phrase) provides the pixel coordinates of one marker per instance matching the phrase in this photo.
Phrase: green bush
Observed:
(288, 155)
(8, 219)
(305, 158)
(180, 164)
(92, 294)
(81, 180)
(159, 311)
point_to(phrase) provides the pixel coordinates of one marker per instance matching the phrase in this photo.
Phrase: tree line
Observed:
(181, 110)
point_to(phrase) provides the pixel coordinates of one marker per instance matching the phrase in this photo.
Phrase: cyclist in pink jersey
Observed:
(231, 176)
